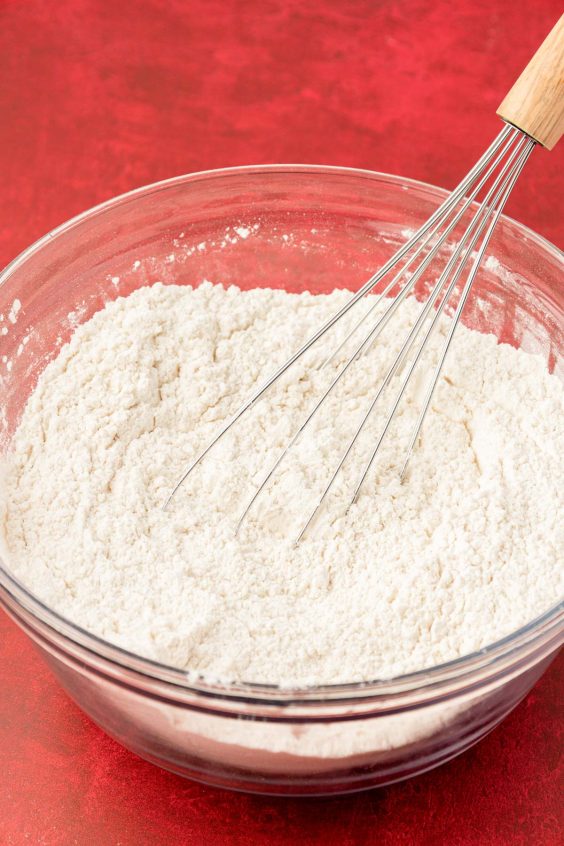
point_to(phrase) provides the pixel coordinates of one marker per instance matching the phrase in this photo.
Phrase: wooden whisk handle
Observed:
(535, 104)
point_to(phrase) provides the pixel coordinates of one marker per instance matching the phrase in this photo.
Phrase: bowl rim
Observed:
(455, 670)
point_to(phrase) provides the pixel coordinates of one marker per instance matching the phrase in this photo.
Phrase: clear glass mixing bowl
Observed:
(293, 227)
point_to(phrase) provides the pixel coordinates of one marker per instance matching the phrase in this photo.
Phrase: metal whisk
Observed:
(534, 113)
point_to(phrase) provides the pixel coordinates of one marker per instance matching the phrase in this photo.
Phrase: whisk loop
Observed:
(494, 175)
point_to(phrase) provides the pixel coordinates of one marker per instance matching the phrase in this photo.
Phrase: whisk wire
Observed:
(501, 164)
(395, 303)
(461, 255)
(442, 210)
(463, 298)
(496, 211)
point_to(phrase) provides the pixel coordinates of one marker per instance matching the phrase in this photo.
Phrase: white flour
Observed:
(416, 574)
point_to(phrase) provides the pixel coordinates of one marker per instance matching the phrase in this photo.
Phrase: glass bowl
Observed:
(291, 227)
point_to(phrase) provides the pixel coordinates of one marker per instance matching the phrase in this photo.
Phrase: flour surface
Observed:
(463, 553)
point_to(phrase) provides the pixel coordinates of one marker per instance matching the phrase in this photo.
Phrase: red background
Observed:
(97, 97)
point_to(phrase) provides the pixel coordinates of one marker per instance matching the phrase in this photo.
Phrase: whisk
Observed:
(533, 113)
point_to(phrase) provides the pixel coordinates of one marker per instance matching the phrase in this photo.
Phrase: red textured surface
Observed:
(97, 97)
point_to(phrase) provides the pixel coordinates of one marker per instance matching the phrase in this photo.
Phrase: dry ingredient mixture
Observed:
(460, 555)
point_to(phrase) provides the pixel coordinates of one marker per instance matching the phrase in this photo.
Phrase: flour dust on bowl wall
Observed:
(398, 631)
